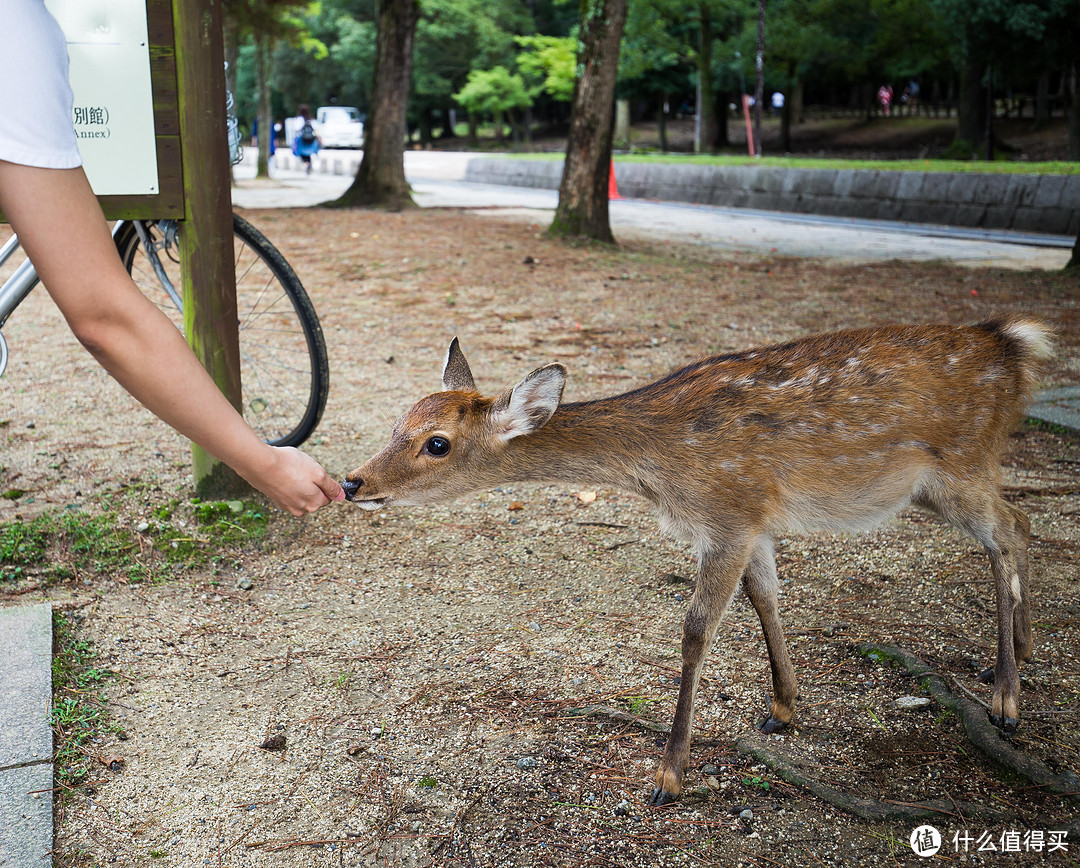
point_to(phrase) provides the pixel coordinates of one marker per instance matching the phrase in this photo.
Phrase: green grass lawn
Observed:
(996, 167)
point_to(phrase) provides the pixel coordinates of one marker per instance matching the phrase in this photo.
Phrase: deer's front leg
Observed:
(718, 579)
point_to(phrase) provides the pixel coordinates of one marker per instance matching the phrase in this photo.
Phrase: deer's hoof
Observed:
(1007, 725)
(660, 797)
(771, 724)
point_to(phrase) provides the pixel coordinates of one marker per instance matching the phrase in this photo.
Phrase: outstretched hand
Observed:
(296, 482)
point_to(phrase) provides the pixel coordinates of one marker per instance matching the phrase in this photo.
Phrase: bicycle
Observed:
(284, 370)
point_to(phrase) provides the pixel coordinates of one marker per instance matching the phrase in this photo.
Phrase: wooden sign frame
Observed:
(168, 203)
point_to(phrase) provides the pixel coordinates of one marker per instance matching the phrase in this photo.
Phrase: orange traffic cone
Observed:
(612, 187)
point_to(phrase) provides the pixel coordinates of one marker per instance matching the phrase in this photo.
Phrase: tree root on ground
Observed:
(784, 767)
(983, 734)
(972, 716)
(617, 715)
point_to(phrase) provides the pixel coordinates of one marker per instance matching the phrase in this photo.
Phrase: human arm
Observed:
(135, 341)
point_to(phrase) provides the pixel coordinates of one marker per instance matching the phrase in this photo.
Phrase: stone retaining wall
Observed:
(1047, 204)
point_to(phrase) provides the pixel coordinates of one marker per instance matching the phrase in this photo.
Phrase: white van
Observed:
(339, 126)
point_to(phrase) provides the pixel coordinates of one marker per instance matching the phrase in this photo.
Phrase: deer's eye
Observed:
(437, 446)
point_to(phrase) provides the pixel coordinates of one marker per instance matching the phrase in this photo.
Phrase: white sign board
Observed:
(114, 105)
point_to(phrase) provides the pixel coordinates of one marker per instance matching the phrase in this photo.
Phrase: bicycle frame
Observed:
(14, 290)
(25, 278)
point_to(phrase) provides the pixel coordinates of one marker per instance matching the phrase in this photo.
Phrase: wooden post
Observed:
(206, 234)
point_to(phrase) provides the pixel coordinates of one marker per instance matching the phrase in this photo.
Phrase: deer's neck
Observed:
(594, 442)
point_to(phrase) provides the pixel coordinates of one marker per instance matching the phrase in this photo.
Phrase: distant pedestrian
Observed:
(885, 95)
(306, 141)
(255, 136)
(777, 103)
(910, 96)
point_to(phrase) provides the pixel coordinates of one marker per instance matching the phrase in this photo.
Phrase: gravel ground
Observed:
(405, 687)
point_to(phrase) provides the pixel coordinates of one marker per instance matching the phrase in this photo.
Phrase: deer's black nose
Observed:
(350, 487)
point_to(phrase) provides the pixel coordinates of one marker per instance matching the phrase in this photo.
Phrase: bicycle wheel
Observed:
(284, 372)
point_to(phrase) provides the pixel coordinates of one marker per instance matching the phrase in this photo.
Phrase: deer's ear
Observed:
(456, 375)
(530, 403)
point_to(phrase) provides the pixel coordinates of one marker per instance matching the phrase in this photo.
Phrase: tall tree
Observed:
(657, 57)
(380, 180)
(759, 77)
(583, 191)
(993, 35)
(496, 92)
(455, 38)
(266, 22)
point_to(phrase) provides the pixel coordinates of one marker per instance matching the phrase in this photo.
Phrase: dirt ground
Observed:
(424, 665)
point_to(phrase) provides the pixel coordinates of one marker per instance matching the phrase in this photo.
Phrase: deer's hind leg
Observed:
(1003, 532)
(1023, 642)
(761, 586)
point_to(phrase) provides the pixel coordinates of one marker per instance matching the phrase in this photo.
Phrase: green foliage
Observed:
(57, 546)
(456, 37)
(661, 42)
(959, 149)
(836, 50)
(79, 711)
(20, 544)
(551, 61)
(54, 544)
(638, 704)
(998, 167)
(493, 91)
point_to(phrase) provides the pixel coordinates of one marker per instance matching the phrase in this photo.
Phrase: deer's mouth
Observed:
(371, 503)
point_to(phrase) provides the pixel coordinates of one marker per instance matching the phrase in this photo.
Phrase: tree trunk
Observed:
(970, 126)
(266, 122)
(1042, 101)
(706, 99)
(759, 81)
(380, 180)
(720, 101)
(583, 191)
(622, 124)
(661, 125)
(1074, 114)
(208, 278)
(424, 125)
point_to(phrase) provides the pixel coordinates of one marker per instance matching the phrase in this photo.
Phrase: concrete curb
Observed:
(1047, 204)
(1060, 406)
(1044, 204)
(26, 772)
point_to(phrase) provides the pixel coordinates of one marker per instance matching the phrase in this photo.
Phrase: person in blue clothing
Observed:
(306, 141)
(255, 135)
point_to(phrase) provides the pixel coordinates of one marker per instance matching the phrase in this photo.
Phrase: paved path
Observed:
(436, 180)
(26, 745)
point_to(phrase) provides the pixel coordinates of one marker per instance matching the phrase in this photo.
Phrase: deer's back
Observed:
(832, 431)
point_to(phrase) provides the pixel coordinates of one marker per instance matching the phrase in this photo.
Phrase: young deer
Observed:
(835, 432)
